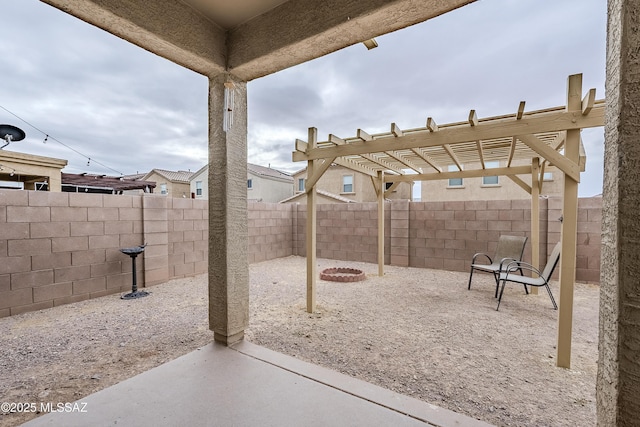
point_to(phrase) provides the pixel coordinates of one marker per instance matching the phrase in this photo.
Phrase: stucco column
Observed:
(618, 380)
(228, 237)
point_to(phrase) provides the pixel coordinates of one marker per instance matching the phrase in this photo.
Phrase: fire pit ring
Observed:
(342, 274)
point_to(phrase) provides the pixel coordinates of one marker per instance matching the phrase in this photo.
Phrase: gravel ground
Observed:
(415, 331)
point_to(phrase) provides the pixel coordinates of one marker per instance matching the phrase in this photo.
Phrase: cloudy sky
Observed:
(129, 111)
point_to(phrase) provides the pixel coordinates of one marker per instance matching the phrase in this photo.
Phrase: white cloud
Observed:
(134, 111)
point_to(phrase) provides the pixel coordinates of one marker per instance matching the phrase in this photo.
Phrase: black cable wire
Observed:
(48, 137)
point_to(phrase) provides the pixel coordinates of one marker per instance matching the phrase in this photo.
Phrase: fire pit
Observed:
(342, 274)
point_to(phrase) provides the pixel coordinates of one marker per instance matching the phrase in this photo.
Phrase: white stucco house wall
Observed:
(264, 184)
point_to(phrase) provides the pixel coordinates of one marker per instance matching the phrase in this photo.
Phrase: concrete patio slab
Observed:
(248, 385)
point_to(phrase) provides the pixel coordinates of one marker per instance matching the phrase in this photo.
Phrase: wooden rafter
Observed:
(512, 151)
(474, 173)
(552, 120)
(526, 187)
(561, 162)
(318, 171)
(339, 141)
(364, 136)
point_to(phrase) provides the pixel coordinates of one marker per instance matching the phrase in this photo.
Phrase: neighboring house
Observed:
(264, 184)
(488, 187)
(340, 183)
(198, 184)
(103, 184)
(22, 171)
(170, 183)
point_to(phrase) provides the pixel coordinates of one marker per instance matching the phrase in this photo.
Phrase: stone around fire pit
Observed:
(342, 274)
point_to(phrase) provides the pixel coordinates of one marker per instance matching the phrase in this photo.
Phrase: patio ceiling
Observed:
(426, 153)
(250, 38)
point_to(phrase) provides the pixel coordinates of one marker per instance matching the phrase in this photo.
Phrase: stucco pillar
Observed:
(228, 237)
(618, 380)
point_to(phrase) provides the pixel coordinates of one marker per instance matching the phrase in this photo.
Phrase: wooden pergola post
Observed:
(535, 217)
(569, 231)
(380, 194)
(311, 228)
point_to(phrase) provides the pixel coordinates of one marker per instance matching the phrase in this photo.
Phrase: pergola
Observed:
(540, 139)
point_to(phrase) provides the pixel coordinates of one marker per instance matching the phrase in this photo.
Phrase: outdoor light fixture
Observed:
(11, 133)
(370, 44)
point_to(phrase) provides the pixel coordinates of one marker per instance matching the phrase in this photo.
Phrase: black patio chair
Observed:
(510, 248)
(542, 279)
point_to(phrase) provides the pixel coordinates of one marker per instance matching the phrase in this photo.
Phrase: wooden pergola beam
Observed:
(554, 121)
(380, 162)
(563, 163)
(520, 183)
(474, 173)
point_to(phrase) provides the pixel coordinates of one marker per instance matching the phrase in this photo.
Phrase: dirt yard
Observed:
(419, 332)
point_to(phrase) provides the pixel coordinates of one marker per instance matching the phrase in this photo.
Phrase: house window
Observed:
(347, 184)
(491, 180)
(163, 189)
(198, 188)
(455, 182)
(300, 184)
(548, 176)
(249, 184)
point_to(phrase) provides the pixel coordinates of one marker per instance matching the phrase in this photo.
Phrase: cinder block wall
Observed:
(345, 231)
(271, 229)
(188, 237)
(57, 248)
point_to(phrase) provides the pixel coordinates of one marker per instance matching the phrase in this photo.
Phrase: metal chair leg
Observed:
(504, 283)
(553, 301)
(470, 276)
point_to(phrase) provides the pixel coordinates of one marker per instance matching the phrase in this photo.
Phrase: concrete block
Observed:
(118, 227)
(30, 279)
(69, 244)
(99, 242)
(106, 269)
(28, 214)
(150, 214)
(14, 230)
(117, 200)
(102, 214)
(156, 276)
(69, 214)
(130, 214)
(85, 200)
(70, 299)
(499, 225)
(86, 228)
(16, 298)
(73, 273)
(15, 264)
(120, 281)
(151, 201)
(51, 292)
(31, 307)
(88, 257)
(16, 248)
(48, 198)
(87, 286)
(14, 198)
(52, 260)
(183, 270)
(48, 229)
